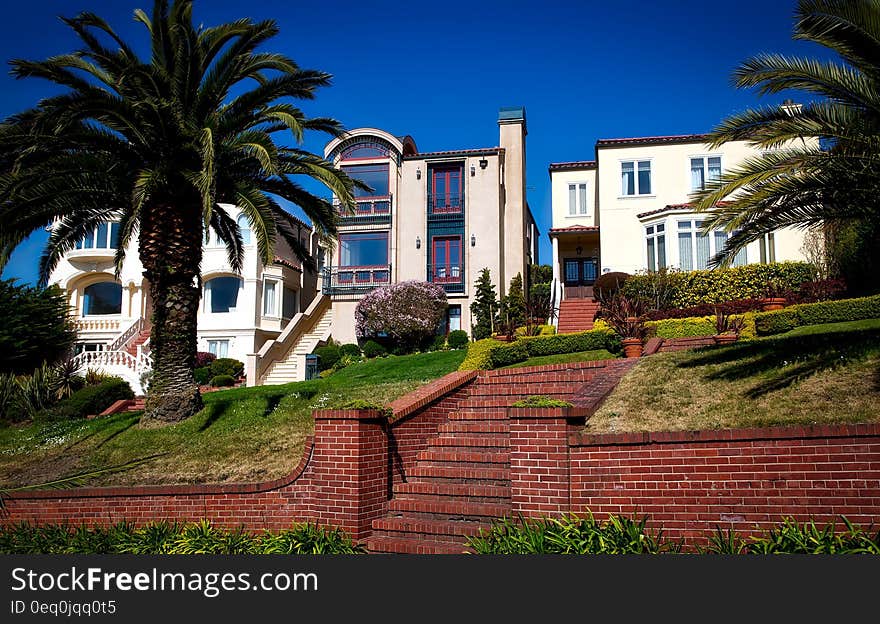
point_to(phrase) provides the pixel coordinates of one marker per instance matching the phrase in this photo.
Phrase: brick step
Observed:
(447, 440)
(447, 473)
(478, 415)
(464, 456)
(445, 510)
(475, 427)
(452, 490)
(519, 390)
(511, 376)
(388, 527)
(413, 546)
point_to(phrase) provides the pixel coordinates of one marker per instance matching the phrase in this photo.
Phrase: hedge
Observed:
(842, 310)
(690, 288)
(490, 353)
(91, 400)
(682, 327)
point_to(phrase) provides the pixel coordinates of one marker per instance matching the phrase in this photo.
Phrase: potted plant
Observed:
(627, 318)
(774, 296)
(727, 327)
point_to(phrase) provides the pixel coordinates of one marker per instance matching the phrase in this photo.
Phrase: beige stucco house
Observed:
(628, 211)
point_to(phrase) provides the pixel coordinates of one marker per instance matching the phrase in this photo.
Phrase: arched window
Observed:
(221, 294)
(102, 298)
(365, 149)
(245, 227)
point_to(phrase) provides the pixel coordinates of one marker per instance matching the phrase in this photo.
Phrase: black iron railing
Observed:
(369, 210)
(342, 280)
(449, 276)
(445, 207)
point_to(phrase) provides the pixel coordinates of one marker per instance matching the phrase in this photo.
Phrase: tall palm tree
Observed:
(821, 160)
(157, 144)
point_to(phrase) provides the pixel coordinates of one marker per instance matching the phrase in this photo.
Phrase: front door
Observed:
(580, 273)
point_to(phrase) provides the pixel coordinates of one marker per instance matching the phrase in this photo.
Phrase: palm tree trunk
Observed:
(170, 250)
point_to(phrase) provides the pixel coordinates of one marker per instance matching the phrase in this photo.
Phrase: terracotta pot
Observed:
(632, 347)
(723, 339)
(768, 304)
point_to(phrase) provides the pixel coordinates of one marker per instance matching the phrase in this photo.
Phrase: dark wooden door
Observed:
(579, 275)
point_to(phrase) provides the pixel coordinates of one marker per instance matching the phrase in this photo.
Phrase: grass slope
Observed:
(820, 374)
(243, 434)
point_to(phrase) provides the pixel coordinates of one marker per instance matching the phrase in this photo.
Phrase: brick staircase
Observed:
(576, 315)
(462, 480)
(140, 339)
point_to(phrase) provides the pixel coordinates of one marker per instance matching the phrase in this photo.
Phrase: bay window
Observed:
(363, 249)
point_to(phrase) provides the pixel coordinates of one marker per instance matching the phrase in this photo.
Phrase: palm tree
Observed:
(157, 145)
(821, 160)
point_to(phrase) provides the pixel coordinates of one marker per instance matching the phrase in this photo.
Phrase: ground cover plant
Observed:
(242, 434)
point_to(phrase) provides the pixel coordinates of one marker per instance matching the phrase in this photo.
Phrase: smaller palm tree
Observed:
(820, 160)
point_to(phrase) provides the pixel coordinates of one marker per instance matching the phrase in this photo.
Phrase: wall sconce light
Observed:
(418, 242)
(578, 250)
(483, 163)
(473, 240)
(418, 173)
(473, 170)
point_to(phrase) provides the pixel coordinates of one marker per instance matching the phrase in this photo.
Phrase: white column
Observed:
(555, 258)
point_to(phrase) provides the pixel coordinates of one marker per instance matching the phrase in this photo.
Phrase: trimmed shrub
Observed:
(204, 358)
(328, 355)
(776, 322)
(223, 381)
(437, 344)
(842, 310)
(571, 343)
(227, 366)
(203, 375)
(350, 349)
(407, 312)
(373, 349)
(707, 309)
(506, 354)
(479, 355)
(690, 288)
(609, 284)
(91, 400)
(682, 327)
(457, 339)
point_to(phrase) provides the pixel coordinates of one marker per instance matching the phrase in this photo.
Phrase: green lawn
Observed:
(819, 374)
(243, 434)
(564, 358)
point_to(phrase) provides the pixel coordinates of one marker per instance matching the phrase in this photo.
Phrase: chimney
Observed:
(512, 128)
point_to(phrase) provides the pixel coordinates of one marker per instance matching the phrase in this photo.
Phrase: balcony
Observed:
(449, 276)
(369, 211)
(354, 280)
(446, 207)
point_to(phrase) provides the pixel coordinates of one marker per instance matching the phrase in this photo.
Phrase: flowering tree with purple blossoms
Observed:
(405, 314)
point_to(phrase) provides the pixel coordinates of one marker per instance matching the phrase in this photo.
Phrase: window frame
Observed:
(226, 341)
(360, 234)
(208, 294)
(581, 210)
(705, 158)
(85, 314)
(635, 162)
(276, 282)
(654, 235)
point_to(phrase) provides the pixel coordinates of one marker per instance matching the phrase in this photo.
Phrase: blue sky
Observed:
(584, 70)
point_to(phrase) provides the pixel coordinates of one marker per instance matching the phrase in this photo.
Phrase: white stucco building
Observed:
(628, 211)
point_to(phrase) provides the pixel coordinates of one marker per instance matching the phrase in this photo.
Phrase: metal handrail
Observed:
(446, 204)
(446, 273)
(124, 338)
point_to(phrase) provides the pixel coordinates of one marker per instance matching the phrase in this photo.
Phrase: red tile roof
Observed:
(288, 263)
(482, 151)
(674, 207)
(573, 166)
(655, 140)
(575, 229)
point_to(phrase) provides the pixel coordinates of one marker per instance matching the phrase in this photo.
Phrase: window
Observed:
(446, 254)
(656, 245)
(695, 248)
(220, 348)
(270, 290)
(363, 249)
(703, 169)
(376, 176)
(289, 304)
(365, 150)
(221, 294)
(102, 298)
(105, 236)
(244, 226)
(767, 248)
(635, 177)
(453, 318)
(577, 199)
(446, 189)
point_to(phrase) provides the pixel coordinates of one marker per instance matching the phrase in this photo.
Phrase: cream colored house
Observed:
(239, 312)
(628, 211)
(434, 216)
